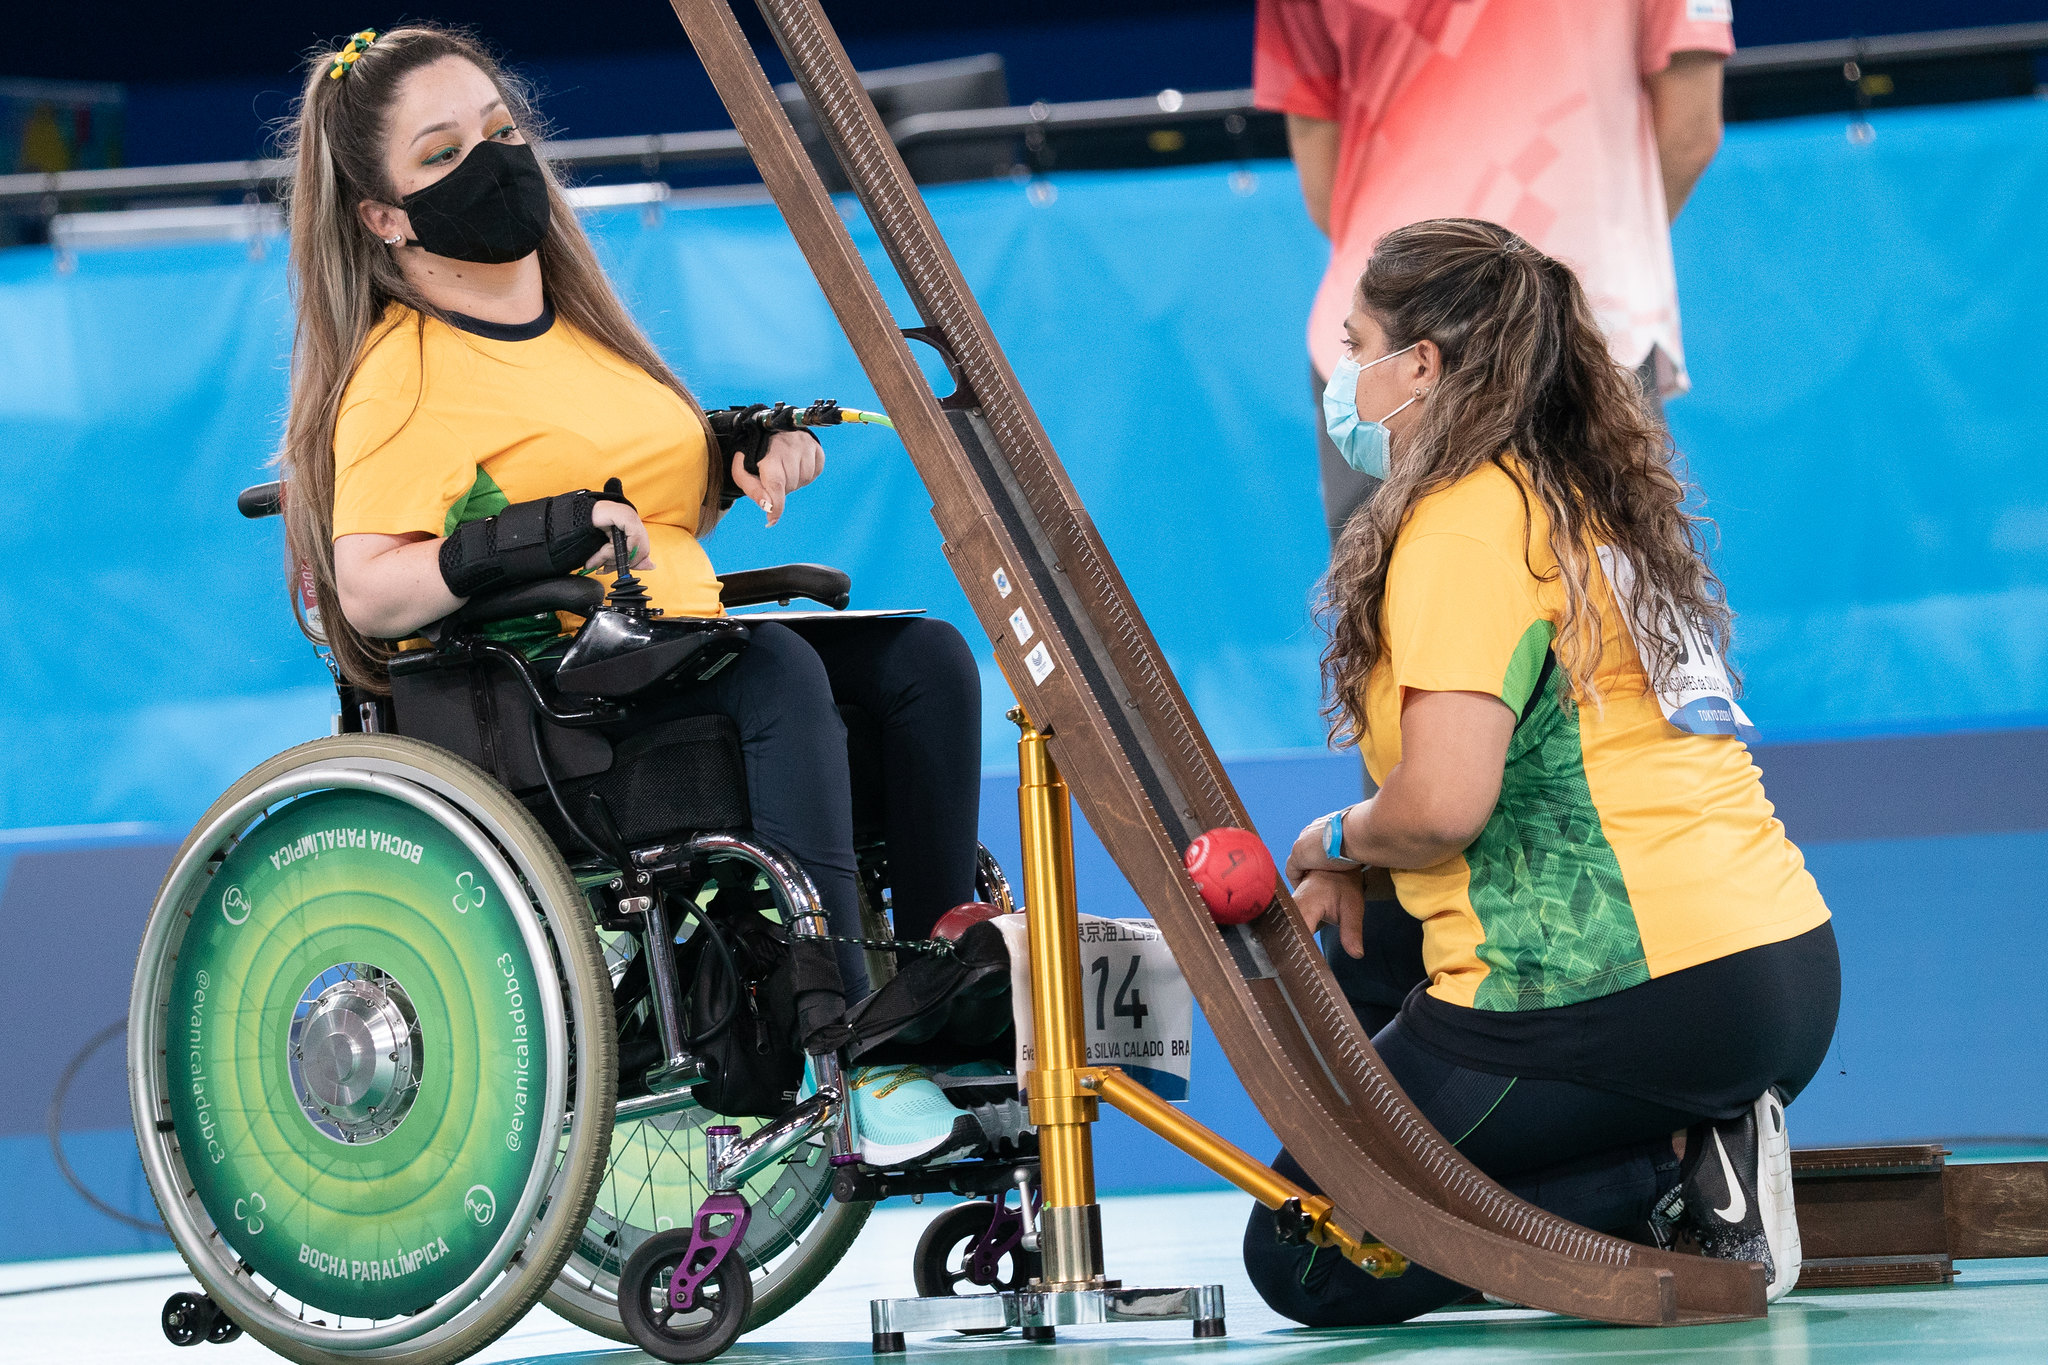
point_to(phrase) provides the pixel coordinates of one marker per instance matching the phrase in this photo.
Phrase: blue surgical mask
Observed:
(1362, 444)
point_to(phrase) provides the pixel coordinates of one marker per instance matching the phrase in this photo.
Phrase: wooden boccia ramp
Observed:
(1092, 678)
(1871, 1216)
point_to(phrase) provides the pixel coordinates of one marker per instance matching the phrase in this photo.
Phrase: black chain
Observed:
(937, 947)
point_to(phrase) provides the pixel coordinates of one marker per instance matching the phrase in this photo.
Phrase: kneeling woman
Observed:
(460, 351)
(1628, 967)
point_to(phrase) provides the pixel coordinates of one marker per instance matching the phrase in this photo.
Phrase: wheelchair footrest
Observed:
(867, 1184)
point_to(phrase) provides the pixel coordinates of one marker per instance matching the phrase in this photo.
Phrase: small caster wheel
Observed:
(1041, 1336)
(187, 1318)
(666, 1332)
(945, 1263)
(1208, 1327)
(224, 1330)
(889, 1344)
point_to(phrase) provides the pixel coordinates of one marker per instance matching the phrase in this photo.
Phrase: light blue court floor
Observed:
(1997, 1311)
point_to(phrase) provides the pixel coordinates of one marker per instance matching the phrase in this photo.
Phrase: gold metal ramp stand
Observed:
(1064, 1091)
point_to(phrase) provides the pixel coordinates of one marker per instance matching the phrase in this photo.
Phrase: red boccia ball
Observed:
(1234, 873)
(961, 918)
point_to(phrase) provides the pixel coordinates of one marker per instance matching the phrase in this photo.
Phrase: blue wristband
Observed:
(1333, 839)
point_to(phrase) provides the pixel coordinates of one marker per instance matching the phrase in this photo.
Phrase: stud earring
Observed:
(393, 241)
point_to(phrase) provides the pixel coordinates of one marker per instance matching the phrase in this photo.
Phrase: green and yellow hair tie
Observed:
(350, 52)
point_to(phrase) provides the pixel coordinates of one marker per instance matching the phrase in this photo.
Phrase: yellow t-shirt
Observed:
(441, 426)
(1622, 848)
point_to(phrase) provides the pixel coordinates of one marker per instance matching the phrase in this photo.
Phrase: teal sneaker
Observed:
(903, 1119)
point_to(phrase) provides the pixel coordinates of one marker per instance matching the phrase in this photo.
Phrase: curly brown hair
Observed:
(1527, 385)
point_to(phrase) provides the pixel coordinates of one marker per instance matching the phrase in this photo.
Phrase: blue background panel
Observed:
(1860, 322)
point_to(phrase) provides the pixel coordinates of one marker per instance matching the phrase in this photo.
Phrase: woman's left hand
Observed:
(793, 459)
(1334, 898)
(1308, 855)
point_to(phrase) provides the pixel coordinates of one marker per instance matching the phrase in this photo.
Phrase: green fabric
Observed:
(1526, 665)
(485, 499)
(1544, 880)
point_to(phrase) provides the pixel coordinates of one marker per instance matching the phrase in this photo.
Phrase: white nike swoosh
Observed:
(1733, 1213)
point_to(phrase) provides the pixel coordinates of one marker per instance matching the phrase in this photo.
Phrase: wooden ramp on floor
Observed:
(1906, 1214)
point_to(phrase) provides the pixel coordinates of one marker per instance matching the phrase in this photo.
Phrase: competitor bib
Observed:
(1698, 697)
(1140, 1013)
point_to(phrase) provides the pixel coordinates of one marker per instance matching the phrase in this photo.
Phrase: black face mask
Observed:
(492, 208)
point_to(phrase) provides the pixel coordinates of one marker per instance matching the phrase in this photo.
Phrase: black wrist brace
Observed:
(528, 541)
(740, 431)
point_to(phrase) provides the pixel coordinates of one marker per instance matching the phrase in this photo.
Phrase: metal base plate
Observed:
(1044, 1308)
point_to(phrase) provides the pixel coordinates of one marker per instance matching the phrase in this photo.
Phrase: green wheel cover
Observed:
(379, 1228)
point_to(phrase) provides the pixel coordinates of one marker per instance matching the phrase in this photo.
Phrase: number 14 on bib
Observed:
(1139, 1013)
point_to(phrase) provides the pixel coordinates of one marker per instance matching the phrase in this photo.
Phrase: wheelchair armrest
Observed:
(261, 500)
(579, 595)
(751, 587)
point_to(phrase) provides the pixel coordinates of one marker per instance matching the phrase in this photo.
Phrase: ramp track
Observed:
(1092, 675)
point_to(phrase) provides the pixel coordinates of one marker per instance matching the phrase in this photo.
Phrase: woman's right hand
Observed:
(1335, 898)
(640, 549)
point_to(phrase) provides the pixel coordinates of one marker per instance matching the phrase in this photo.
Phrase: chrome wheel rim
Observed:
(248, 1295)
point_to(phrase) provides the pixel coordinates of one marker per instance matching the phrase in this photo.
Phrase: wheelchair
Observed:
(409, 1045)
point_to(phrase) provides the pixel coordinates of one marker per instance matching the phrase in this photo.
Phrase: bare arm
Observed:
(391, 585)
(1685, 109)
(1313, 144)
(1454, 747)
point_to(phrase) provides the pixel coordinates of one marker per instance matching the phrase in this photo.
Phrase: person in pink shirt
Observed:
(1580, 125)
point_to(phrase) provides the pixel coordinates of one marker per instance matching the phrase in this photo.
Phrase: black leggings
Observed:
(1599, 1159)
(916, 677)
(1709, 1038)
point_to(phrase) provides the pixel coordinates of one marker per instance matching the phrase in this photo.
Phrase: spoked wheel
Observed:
(653, 1177)
(663, 1330)
(371, 1055)
(945, 1265)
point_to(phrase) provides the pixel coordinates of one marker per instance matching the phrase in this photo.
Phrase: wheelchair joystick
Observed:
(627, 594)
(623, 648)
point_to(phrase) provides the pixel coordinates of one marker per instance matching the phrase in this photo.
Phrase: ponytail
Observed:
(344, 279)
(1527, 375)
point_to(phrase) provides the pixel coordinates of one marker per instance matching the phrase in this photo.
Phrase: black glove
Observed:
(528, 541)
(745, 431)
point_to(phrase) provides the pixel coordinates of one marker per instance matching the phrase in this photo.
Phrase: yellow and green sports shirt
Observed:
(440, 426)
(1622, 848)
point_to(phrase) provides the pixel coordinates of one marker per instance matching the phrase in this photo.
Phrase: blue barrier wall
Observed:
(1862, 323)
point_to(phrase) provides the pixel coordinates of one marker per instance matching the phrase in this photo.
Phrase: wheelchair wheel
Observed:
(653, 1176)
(667, 1332)
(371, 1055)
(942, 1265)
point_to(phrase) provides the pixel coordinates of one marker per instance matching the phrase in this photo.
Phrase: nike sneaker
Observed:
(902, 1119)
(1735, 1194)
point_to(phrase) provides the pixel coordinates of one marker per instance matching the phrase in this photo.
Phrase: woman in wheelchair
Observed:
(464, 373)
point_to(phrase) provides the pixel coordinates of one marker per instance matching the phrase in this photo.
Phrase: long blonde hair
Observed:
(1526, 377)
(344, 278)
